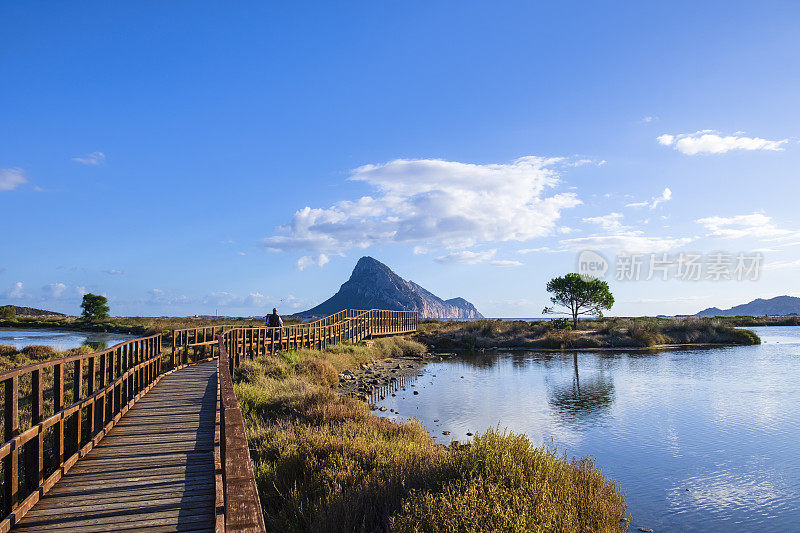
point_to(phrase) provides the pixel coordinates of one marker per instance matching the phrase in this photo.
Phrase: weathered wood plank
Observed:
(153, 471)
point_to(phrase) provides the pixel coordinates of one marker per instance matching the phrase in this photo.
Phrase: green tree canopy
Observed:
(579, 294)
(95, 307)
(8, 311)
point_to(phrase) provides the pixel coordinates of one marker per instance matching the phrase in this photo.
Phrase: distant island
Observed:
(777, 306)
(373, 285)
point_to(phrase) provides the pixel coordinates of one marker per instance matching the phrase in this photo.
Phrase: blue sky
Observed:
(189, 157)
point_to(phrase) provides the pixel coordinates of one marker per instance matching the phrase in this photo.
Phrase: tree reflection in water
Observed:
(582, 400)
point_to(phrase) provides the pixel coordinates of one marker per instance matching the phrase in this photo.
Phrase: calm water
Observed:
(60, 339)
(723, 423)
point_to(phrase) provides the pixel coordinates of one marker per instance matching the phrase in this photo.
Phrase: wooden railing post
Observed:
(58, 405)
(90, 409)
(103, 383)
(77, 393)
(11, 425)
(36, 465)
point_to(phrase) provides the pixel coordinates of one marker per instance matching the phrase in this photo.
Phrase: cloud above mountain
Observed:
(433, 203)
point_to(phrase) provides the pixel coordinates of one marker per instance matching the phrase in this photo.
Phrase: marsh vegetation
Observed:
(323, 462)
(644, 332)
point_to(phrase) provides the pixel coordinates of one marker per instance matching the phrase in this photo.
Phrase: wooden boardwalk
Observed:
(154, 471)
(114, 440)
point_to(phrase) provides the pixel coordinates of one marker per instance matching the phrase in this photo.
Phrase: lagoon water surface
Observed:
(699, 440)
(59, 339)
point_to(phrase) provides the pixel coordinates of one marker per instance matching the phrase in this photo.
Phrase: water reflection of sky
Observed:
(721, 423)
(59, 339)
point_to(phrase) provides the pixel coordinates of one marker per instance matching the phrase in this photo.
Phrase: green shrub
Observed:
(502, 482)
(320, 371)
(7, 351)
(324, 463)
(37, 351)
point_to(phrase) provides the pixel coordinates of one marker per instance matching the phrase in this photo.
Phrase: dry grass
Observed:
(501, 482)
(604, 333)
(11, 357)
(323, 462)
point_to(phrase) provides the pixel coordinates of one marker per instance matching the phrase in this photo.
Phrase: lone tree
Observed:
(581, 295)
(95, 307)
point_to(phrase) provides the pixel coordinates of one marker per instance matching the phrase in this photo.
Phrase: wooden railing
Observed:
(238, 505)
(192, 344)
(54, 412)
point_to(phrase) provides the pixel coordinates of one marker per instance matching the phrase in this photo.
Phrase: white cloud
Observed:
(256, 299)
(648, 119)
(617, 236)
(628, 240)
(420, 250)
(665, 196)
(776, 265)
(294, 302)
(506, 263)
(534, 250)
(609, 222)
(308, 260)
(16, 292)
(93, 159)
(584, 161)
(81, 290)
(466, 257)
(114, 272)
(433, 204)
(752, 225)
(11, 178)
(55, 290)
(711, 142)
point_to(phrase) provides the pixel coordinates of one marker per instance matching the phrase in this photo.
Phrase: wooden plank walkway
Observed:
(153, 472)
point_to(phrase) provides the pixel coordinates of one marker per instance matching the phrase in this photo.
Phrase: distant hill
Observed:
(373, 285)
(31, 311)
(778, 306)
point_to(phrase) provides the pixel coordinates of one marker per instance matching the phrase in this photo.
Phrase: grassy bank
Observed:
(323, 462)
(11, 357)
(605, 333)
(744, 321)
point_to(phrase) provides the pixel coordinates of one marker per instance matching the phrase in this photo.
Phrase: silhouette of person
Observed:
(274, 320)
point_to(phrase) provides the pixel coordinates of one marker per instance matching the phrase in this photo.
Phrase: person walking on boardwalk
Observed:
(274, 320)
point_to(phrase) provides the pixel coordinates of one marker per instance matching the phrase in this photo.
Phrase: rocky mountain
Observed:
(373, 285)
(778, 306)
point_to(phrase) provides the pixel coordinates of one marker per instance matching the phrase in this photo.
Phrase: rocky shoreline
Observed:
(379, 376)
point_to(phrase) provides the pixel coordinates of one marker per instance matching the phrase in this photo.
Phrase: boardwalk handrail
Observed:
(103, 393)
(37, 419)
(238, 504)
